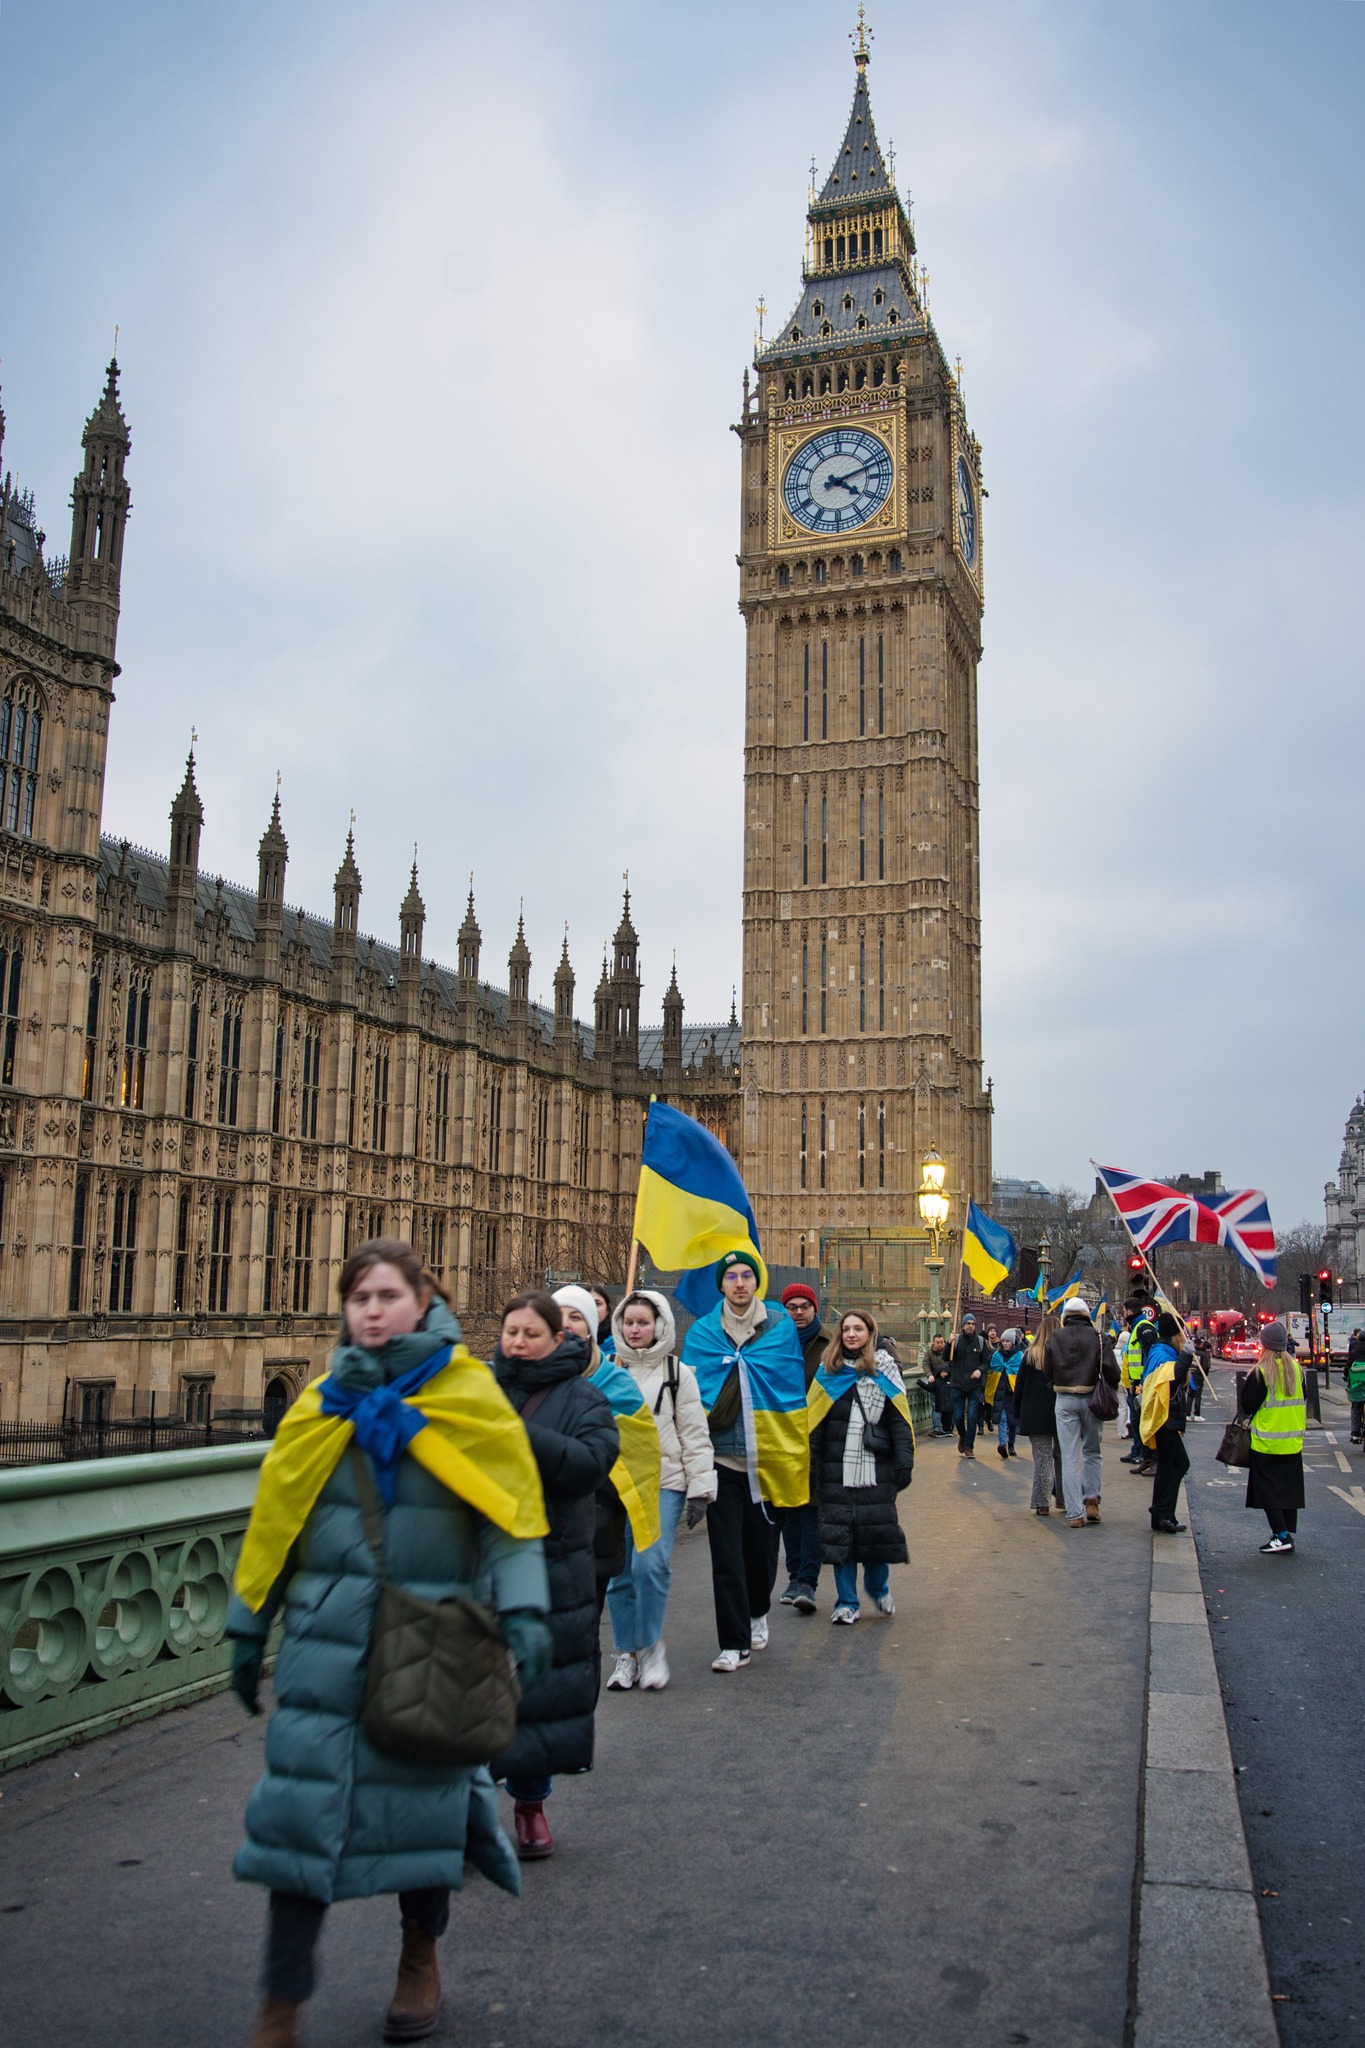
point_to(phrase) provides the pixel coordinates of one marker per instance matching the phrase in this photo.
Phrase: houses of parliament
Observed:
(207, 1097)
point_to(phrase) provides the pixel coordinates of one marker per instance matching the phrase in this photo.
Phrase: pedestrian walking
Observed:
(752, 1380)
(1163, 1420)
(1074, 1360)
(403, 1465)
(1129, 1349)
(1355, 1381)
(541, 1368)
(646, 1345)
(1273, 1400)
(1000, 1384)
(1144, 1331)
(1035, 1409)
(801, 1526)
(936, 1364)
(862, 1454)
(967, 1361)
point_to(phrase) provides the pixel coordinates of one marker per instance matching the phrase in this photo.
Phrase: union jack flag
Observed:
(1156, 1214)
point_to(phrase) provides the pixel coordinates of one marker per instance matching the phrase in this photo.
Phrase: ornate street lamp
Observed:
(933, 1208)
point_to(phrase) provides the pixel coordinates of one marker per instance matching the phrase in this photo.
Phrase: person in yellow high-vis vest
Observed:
(1273, 1401)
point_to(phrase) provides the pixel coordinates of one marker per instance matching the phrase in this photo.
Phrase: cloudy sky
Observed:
(432, 323)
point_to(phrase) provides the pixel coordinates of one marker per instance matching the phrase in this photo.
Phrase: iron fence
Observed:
(59, 1443)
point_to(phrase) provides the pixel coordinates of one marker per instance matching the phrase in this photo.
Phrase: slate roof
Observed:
(859, 171)
(148, 873)
(829, 292)
(20, 526)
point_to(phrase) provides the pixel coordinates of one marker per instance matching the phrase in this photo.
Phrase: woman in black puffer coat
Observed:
(573, 1435)
(862, 1454)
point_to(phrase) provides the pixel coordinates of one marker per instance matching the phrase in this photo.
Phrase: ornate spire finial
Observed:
(194, 739)
(861, 53)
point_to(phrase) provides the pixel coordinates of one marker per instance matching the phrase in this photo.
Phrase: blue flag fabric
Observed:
(384, 1423)
(773, 1386)
(691, 1206)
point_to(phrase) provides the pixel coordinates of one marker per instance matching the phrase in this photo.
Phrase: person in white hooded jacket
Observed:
(646, 1341)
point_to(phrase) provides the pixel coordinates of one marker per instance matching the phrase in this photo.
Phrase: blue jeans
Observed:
(801, 1541)
(1005, 1422)
(966, 1413)
(876, 1578)
(638, 1596)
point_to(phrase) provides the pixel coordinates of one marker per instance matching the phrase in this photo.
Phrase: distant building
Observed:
(1344, 1201)
(1012, 1195)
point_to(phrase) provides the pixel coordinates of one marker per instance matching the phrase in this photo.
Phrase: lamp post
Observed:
(933, 1213)
(1044, 1261)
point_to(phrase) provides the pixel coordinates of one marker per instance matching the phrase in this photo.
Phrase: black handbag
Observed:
(441, 1685)
(1104, 1401)
(1235, 1448)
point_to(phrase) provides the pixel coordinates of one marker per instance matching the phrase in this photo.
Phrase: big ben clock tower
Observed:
(861, 589)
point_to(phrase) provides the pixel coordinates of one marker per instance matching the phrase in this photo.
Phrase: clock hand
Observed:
(844, 481)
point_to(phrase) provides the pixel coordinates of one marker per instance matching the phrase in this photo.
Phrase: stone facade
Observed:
(207, 1098)
(861, 588)
(1344, 1201)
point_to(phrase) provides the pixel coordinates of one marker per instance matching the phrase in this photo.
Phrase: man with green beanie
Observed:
(741, 1337)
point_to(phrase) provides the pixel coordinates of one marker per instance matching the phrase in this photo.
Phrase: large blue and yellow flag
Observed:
(989, 1251)
(691, 1206)
(471, 1440)
(828, 1387)
(635, 1475)
(772, 1386)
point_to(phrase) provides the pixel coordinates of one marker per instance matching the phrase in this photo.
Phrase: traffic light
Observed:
(1325, 1286)
(1306, 1294)
(1137, 1289)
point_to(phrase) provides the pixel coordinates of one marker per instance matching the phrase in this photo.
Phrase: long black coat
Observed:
(573, 1435)
(1035, 1404)
(859, 1525)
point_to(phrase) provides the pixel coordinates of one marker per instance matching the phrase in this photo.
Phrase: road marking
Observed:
(1330, 1438)
(1344, 1463)
(1354, 1499)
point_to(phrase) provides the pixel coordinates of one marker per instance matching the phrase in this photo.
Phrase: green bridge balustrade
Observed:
(114, 1584)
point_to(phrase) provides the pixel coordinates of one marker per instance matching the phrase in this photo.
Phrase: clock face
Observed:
(966, 512)
(837, 480)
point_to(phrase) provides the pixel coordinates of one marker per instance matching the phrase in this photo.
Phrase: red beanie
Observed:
(798, 1291)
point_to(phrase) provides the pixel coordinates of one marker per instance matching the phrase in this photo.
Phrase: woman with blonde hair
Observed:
(862, 1454)
(1273, 1401)
(1035, 1408)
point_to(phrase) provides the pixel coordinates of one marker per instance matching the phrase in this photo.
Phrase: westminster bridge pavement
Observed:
(928, 1828)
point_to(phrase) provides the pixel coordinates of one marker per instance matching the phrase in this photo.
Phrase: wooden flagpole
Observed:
(957, 1305)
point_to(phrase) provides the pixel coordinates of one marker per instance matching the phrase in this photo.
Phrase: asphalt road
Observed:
(920, 1830)
(1287, 1635)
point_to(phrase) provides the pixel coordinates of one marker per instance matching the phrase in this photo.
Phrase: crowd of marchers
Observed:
(439, 1539)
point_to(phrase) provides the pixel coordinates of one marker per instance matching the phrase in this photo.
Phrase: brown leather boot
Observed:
(534, 1840)
(417, 1994)
(277, 2025)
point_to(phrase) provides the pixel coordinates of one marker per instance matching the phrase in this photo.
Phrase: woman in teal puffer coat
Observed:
(333, 1818)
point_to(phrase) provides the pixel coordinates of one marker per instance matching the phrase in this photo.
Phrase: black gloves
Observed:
(529, 1640)
(248, 1655)
(696, 1512)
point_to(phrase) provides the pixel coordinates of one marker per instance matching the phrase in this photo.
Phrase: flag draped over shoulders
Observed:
(1157, 1380)
(773, 1393)
(828, 1387)
(636, 1473)
(467, 1435)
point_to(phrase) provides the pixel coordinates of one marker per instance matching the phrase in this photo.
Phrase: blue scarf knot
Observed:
(384, 1424)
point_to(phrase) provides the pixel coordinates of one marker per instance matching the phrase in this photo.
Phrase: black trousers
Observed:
(1283, 1521)
(295, 1924)
(744, 1540)
(1172, 1463)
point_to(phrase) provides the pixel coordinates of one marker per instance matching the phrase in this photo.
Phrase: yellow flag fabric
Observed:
(638, 1470)
(1156, 1400)
(473, 1443)
(827, 1388)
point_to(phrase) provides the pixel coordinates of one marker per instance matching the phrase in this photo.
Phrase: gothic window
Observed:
(824, 383)
(790, 388)
(881, 984)
(803, 1147)
(876, 251)
(893, 562)
(220, 1254)
(374, 1223)
(805, 838)
(581, 1149)
(229, 1064)
(829, 251)
(312, 1080)
(303, 1258)
(862, 1144)
(784, 577)
(494, 1125)
(122, 1250)
(11, 974)
(826, 329)
(861, 377)
(843, 380)
(881, 1144)
(350, 1105)
(818, 308)
(440, 1121)
(796, 334)
(77, 1272)
(862, 835)
(272, 1235)
(805, 987)
(21, 733)
(824, 989)
(881, 833)
(92, 1027)
(197, 1401)
(824, 668)
(808, 387)
(848, 302)
(878, 373)
(379, 1116)
(136, 1016)
(540, 1139)
(180, 1290)
(866, 245)
(277, 1080)
(862, 984)
(192, 1060)
(4, 1183)
(436, 1245)
(823, 1134)
(879, 295)
(856, 567)
(805, 692)
(881, 687)
(824, 837)
(862, 664)
(839, 246)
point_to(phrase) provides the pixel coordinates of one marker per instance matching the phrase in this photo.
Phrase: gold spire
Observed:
(861, 53)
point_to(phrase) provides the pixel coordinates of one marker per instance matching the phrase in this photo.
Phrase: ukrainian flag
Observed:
(635, 1475)
(1057, 1295)
(828, 1387)
(691, 1206)
(989, 1251)
(772, 1377)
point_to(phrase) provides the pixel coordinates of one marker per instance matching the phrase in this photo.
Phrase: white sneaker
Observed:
(848, 1614)
(730, 1660)
(625, 1673)
(886, 1605)
(653, 1668)
(758, 1632)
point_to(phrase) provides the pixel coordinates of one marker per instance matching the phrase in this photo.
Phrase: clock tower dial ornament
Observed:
(861, 588)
